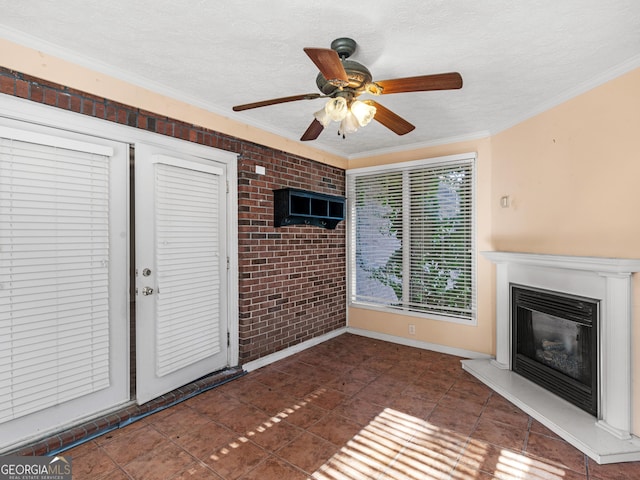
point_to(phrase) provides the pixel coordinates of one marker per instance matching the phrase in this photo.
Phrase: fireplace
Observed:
(604, 431)
(554, 343)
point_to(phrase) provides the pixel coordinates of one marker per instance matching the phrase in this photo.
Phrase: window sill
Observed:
(412, 313)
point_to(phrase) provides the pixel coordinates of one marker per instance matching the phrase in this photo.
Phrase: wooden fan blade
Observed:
(313, 131)
(423, 83)
(393, 122)
(329, 64)
(274, 101)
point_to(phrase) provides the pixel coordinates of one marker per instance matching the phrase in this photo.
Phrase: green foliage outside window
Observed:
(439, 238)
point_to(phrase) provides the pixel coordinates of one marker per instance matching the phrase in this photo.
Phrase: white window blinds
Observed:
(411, 229)
(54, 259)
(188, 255)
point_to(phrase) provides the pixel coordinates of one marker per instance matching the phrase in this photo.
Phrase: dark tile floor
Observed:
(351, 408)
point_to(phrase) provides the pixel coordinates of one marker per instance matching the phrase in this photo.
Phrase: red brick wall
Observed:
(292, 279)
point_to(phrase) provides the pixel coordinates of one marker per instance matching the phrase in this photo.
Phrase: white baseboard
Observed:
(282, 354)
(458, 352)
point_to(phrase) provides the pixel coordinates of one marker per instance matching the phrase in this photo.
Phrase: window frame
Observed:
(402, 167)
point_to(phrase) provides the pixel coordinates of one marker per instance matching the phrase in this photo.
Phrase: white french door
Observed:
(181, 269)
(66, 253)
(63, 278)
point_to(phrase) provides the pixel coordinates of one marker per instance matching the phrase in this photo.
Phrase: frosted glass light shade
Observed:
(335, 110)
(364, 113)
(323, 117)
(349, 124)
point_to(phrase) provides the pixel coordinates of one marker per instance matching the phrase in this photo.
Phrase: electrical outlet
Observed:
(412, 329)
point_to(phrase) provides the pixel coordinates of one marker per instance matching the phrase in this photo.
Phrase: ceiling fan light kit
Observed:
(343, 81)
(351, 117)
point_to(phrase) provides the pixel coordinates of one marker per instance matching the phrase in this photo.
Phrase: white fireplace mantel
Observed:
(608, 438)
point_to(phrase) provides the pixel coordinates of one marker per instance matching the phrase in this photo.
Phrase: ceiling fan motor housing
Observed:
(359, 76)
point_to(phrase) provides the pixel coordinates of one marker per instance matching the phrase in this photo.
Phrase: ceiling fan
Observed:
(343, 81)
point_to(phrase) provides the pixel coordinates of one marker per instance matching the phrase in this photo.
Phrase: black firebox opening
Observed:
(554, 343)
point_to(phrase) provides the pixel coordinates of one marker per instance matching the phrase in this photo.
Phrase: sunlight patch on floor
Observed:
(520, 466)
(398, 446)
(503, 464)
(395, 445)
(267, 424)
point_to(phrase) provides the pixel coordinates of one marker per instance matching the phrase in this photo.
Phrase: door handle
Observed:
(147, 291)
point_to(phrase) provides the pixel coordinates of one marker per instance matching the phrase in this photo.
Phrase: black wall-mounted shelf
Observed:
(301, 207)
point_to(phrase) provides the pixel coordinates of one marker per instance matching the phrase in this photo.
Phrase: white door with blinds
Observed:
(181, 270)
(63, 279)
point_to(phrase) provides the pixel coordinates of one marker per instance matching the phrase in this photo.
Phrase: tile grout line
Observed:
(527, 433)
(468, 441)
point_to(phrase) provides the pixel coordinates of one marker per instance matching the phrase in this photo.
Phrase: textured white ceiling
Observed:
(516, 58)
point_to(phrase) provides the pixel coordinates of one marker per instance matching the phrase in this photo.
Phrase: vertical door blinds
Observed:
(187, 227)
(54, 271)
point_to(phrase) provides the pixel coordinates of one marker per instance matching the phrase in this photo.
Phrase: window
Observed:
(412, 237)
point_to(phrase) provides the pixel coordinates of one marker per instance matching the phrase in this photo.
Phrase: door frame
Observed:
(229, 160)
(116, 392)
(151, 383)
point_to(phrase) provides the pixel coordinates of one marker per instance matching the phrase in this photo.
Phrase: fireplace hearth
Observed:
(608, 435)
(555, 343)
